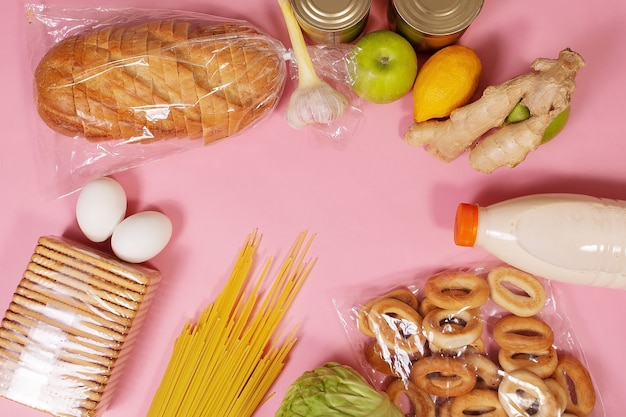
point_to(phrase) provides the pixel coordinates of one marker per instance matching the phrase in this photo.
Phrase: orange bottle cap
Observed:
(466, 224)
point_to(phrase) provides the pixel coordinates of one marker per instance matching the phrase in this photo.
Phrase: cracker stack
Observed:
(70, 327)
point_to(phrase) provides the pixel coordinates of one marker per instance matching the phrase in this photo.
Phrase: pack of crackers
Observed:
(70, 326)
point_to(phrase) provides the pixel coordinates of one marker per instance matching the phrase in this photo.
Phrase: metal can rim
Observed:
(455, 15)
(318, 16)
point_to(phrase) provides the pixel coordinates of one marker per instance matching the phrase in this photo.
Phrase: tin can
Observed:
(332, 21)
(432, 24)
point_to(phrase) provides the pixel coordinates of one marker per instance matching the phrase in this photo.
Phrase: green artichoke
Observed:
(335, 390)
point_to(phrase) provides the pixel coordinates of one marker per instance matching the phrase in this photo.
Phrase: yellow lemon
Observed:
(446, 81)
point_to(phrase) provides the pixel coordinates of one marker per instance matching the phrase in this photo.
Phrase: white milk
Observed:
(565, 237)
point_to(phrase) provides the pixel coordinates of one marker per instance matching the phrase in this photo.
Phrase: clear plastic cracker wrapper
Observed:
(483, 340)
(70, 327)
(118, 87)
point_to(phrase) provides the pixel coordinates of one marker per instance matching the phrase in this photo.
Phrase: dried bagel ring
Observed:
(560, 394)
(450, 329)
(456, 290)
(403, 294)
(542, 364)
(478, 402)
(575, 378)
(487, 372)
(524, 394)
(425, 307)
(422, 404)
(477, 346)
(443, 376)
(397, 325)
(524, 303)
(444, 408)
(362, 321)
(388, 362)
(523, 334)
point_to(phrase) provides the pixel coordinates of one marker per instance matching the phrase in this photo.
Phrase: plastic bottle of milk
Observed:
(565, 237)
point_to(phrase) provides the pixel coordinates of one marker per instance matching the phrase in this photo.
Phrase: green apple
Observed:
(555, 127)
(383, 66)
(520, 113)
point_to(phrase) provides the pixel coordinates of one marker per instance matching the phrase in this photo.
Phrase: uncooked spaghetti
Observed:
(225, 364)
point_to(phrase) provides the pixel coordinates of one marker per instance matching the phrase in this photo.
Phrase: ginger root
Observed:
(479, 127)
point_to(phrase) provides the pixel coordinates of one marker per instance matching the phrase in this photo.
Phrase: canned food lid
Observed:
(331, 15)
(438, 17)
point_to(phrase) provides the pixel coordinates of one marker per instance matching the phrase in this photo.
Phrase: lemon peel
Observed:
(446, 81)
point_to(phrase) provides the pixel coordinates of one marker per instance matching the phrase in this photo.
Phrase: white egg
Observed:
(141, 236)
(101, 206)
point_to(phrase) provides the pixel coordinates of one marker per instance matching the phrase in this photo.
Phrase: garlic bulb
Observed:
(314, 100)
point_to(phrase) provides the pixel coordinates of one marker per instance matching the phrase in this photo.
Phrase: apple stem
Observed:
(314, 100)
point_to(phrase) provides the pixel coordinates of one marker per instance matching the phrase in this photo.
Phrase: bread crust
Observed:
(160, 79)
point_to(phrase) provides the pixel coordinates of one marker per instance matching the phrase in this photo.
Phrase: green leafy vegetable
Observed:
(335, 390)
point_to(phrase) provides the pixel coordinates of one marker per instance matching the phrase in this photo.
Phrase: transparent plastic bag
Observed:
(331, 63)
(71, 326)
(432, 344)
(118, 87)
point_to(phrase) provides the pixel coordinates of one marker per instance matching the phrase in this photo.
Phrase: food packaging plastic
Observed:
(71, 326)
(396, 364)
(332, 64)
(67, 163)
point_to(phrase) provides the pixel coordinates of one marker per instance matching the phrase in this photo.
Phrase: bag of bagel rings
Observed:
(478, 340)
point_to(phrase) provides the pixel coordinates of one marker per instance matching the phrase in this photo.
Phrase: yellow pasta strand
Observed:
(226, 363)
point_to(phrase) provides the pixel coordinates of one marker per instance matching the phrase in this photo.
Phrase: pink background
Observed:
(379, 207)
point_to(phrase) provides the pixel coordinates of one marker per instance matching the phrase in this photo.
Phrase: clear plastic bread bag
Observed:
(142, 85)
(441, 342)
